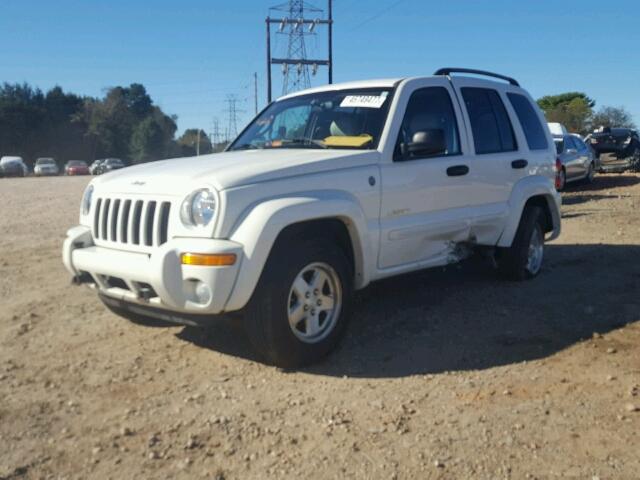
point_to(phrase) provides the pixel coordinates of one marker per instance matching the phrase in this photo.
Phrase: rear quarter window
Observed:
(490, 124)
(530, 122)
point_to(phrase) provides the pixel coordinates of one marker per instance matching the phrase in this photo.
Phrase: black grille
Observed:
(131, 222)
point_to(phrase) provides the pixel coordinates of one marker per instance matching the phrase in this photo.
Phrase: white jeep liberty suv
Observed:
(325, 191)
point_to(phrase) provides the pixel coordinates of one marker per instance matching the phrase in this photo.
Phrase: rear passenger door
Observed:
(497, 161)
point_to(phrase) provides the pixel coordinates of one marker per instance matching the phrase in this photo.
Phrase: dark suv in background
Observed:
(618, 148)
(108, 165)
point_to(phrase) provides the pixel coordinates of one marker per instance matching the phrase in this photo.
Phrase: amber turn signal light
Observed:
(209, 259)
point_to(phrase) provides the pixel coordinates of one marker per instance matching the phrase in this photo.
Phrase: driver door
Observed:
(426, 198)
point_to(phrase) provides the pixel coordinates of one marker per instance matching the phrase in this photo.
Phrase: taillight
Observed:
(558, 171)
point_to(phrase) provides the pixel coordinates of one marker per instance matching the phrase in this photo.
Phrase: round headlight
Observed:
(86, 200)
(199, 208)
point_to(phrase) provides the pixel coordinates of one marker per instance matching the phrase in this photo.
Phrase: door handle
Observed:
(457, 170)
(519, 163)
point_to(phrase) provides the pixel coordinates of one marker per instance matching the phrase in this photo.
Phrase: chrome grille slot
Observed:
(105, 219)
(163, 224)
(113, 220)
(96, 218)
(124, 221)
(148, 223)
(139, 224)
(135, 226)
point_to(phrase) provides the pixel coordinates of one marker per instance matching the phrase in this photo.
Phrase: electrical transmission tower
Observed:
(215, 134)
(296, 65)
(232, 113)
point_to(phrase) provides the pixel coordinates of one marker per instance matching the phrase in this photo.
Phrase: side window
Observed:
(582, 147)
(429, 110)
(533, 131)
(490, 124)
(570, 142)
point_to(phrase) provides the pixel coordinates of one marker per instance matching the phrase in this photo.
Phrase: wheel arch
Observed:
(334, 214)
(536, 191)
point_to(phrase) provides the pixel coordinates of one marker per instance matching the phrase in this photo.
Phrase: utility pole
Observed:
(255, 92)
(198, 144)
(296, 65)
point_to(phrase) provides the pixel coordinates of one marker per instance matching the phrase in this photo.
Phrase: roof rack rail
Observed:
(448, 71)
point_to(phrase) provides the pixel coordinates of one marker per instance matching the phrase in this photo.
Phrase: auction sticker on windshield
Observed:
(364, 101)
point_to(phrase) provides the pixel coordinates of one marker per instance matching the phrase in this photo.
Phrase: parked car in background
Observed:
(325, 191)
(93, 168)
(46, 166)
(109, 164)
(76, 167)
(596, 157)
(616, 146)
(13, 167)
(577, 161)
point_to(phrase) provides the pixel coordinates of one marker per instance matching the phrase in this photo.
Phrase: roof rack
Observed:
(448, 71)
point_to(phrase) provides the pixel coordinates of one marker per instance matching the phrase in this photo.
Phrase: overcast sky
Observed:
(191, 54)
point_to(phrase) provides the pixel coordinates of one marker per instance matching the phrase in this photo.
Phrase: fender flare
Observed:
(522, 191)
(263, 222)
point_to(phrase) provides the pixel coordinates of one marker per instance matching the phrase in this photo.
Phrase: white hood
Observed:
(228, 169)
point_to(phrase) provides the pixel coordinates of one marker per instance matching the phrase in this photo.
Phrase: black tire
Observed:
(513, 262)
(563, 180)
(590, 174)
(266, 318)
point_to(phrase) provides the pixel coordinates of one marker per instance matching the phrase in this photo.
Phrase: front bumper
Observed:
(157, 279)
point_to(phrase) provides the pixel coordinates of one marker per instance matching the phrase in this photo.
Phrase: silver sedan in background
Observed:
(578, 160)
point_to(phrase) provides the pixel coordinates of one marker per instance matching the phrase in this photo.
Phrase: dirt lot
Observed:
(443, 374)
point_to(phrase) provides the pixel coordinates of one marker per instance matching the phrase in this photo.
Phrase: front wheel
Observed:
(301, 304)
(523, 260)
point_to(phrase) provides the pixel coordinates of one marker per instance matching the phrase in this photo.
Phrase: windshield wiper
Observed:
(246, 146)
(304, 142)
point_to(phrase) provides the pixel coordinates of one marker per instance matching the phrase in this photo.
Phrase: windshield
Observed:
(45, 161)
(77, 163)
(335, 119)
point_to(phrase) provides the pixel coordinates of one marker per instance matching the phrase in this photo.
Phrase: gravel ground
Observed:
(449, 373)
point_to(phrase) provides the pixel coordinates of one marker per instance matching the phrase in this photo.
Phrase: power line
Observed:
(376, 15)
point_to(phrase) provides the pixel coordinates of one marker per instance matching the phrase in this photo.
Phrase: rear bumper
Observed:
(157, 280)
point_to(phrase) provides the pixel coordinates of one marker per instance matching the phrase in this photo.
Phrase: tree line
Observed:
(125, 124)
(577, 112)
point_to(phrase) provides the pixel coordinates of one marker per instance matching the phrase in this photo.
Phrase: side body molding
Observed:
(260, 226)
(522, 191)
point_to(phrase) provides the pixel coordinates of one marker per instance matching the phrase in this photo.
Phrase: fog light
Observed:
(209, 259)
(203, 293)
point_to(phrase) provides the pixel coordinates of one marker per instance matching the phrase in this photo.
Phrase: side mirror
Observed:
(425, 143)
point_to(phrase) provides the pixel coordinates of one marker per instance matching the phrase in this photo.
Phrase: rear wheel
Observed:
(523, 260)
(591, 173)
(562, 180)
(300, 307)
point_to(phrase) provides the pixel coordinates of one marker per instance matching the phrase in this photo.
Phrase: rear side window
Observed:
(533, 131)
(490, 124)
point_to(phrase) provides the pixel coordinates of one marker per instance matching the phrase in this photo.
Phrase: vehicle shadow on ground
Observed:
(600, 189)
(604, 182)
(465, 318)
